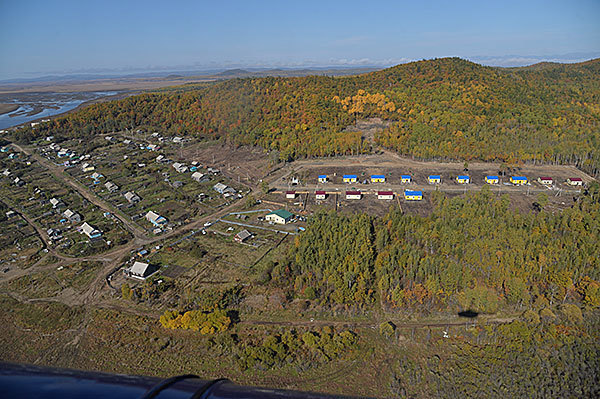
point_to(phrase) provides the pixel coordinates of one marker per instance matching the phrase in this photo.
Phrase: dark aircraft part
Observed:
(24, 381)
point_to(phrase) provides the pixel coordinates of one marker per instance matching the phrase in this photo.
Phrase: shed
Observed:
(242, 236)
(290, 194)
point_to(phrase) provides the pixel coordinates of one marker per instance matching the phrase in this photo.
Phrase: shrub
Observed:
(197, 320)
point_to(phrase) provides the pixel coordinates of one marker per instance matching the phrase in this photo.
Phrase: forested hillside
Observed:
(443, 109)
(474, 252)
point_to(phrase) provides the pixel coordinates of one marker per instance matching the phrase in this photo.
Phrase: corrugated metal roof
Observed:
(282, 213)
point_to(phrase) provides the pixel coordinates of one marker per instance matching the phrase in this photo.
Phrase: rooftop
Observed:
(282, 213)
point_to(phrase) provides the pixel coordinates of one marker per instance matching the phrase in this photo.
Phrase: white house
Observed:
(132, 197)
(55, 202)
(90, 231)
(179, 167)
(71, 216)
(155, 219)
(140, 270)
(86, 167)
(197, 176)
(110, 186)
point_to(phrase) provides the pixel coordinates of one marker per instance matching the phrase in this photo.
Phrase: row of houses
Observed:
(410, 195)
(461, 179)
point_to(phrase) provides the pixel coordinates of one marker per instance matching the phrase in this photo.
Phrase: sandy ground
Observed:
(6, 108)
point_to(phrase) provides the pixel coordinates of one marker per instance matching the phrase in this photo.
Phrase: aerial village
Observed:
(163, 211)
(130, 194)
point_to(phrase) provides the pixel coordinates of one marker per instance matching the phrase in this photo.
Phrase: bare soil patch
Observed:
(6, 108)
(368, 128)
(246, 164)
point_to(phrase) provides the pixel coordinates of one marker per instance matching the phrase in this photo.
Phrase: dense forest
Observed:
(442, 109)
(474, 252)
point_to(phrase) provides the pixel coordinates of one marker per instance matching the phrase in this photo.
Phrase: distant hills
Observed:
(446, 108)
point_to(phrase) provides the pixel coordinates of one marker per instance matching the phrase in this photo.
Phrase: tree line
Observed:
(474, 252)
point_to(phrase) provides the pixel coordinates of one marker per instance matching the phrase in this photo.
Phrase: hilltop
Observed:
(445, 108)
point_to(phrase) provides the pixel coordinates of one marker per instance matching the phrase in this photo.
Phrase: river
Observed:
(33, 106)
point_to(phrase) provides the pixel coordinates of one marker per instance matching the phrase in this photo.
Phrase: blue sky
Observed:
(105, 36)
